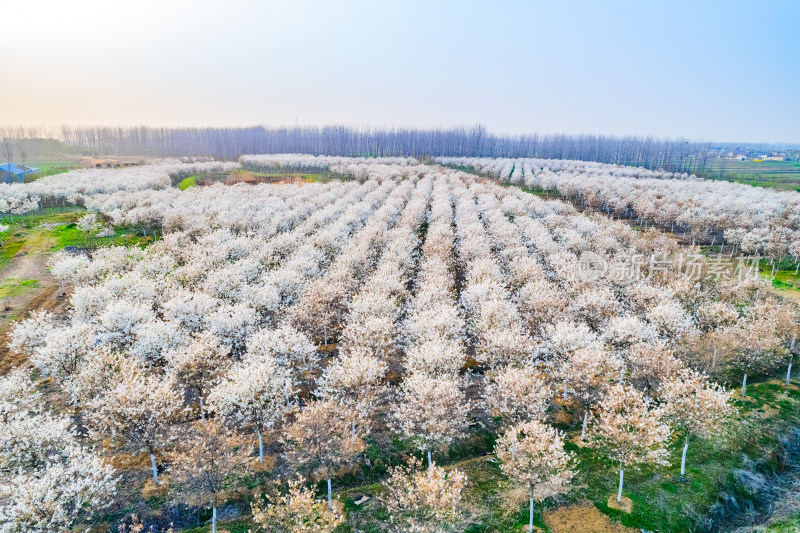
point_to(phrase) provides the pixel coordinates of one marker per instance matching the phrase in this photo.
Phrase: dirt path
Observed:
(26, 285)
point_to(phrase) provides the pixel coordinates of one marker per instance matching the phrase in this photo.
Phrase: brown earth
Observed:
(30, 263)
(243, 176)
(626, 505)
(582, 519)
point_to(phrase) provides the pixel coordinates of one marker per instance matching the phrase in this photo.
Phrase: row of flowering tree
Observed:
(297, 320)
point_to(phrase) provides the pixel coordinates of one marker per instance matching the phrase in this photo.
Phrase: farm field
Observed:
(776, 174)
(300, 343)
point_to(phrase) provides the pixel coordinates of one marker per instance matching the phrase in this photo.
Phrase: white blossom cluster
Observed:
(71, 186)
(306, 161)
(49, 480)
(398, 292)
(519, 170)
(757, 220)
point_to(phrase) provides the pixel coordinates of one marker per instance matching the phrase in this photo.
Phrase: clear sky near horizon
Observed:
(705, 70)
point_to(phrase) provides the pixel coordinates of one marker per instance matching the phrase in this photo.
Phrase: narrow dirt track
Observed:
(30, 263)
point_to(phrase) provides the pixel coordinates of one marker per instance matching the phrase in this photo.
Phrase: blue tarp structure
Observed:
(10, 171)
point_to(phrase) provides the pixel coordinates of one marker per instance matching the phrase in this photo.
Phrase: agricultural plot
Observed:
(409, 348)
(755, 221)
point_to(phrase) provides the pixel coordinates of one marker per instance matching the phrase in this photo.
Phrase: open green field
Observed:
(776, 174)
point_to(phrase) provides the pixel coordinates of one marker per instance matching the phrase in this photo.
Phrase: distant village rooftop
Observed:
(9, 172)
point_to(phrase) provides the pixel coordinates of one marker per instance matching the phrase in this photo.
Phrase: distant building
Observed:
(774, 157)
(736, 156)
(10, 172)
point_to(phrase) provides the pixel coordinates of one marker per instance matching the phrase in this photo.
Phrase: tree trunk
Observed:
(74, 398)
(330, 498)
(565, 389)
(583, 429)
(789, 373)
(155, 470)
(714, 360)
(260, 448)
(202, 410)
(744, 385)
(683, 457)
(621, 475)
(530, 523)
(430, 463)
(214, 519)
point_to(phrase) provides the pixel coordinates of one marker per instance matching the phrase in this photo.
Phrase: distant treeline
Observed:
(229, 143)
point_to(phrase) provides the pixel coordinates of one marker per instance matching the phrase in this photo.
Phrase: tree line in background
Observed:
(229, 143)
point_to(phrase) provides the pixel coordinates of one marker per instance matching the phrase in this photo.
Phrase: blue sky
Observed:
(707, 70)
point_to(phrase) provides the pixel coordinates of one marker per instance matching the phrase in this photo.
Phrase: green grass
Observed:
(234, 526)
(9, 251)
(662, 500)
(782, 525)
(51, 167)
(12, 287)
(774, 174)
(191, 181)
(63, 232)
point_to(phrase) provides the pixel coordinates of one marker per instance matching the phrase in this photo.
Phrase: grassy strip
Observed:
(191, 181)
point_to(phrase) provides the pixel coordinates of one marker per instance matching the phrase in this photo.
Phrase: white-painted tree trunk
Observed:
(683, 457)
(714, 360)
(789, 373)
(214, 519)
(583, 429)
(530, 523)
(202, 410)
(430, 461)
(565, 389)
(744, 385)
(260, 448)
(74, 398)
(330, 497)
(621, 476)
(155, 470)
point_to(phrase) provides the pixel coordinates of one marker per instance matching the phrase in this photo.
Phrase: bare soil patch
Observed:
(582, 519)
(29, 264)
(252, 179)
(626, 505)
